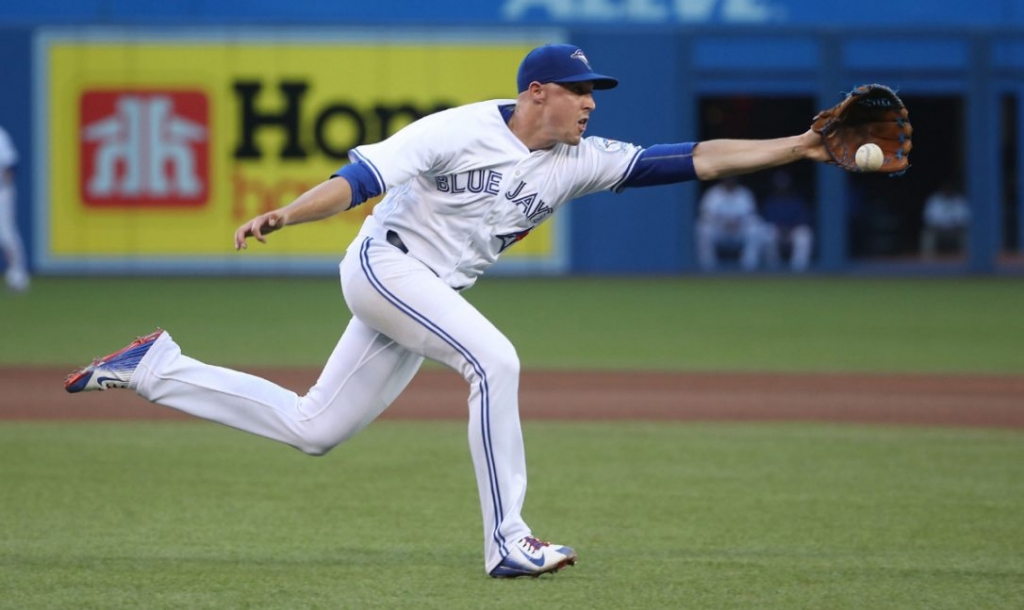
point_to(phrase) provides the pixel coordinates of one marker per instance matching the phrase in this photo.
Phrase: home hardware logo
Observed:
(144, 148)
(307, 127)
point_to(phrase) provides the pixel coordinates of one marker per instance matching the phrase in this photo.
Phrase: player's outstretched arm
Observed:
(714, 159)
(322, 201)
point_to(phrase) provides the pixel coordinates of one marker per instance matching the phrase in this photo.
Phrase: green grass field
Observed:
(759, 324)
(664, 515)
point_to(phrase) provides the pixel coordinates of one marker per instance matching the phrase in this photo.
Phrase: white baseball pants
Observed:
(16, 275)
(401, 313)
(801, 240)
(711, 234)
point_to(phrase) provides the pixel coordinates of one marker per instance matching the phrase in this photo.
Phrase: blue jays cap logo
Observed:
(578, 54)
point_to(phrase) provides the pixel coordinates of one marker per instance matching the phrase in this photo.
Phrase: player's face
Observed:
(569, 108)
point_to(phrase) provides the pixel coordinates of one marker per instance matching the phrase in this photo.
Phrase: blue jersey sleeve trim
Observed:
(661, 164)
(354, 154)
(617, 188)
(361, 178)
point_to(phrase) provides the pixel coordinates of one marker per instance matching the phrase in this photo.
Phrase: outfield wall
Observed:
(671, 58)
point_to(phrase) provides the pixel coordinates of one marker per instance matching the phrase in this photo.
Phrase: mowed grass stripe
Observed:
(170, 515)
(791, 324)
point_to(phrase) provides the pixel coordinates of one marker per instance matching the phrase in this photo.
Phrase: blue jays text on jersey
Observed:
(532, 206)
(473, 181)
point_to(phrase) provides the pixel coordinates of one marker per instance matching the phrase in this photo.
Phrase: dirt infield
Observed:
(946, 400)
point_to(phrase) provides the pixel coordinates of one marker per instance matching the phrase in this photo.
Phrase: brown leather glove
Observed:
(869, 113)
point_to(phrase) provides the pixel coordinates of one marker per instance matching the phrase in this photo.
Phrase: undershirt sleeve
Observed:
(662, 164)
(361, 179)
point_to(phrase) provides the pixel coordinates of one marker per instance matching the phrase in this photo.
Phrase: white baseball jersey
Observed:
(728, 206)
(946, 211)
(461, 188)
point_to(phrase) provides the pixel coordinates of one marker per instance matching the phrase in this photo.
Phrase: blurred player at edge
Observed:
(16, 274)
(461, 185)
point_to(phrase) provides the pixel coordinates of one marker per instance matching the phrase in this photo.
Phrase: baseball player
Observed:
(728, 215)
(947, 217)
(16, 277)
(461, 186)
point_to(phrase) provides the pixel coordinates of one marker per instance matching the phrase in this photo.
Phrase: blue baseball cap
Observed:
(559, 63)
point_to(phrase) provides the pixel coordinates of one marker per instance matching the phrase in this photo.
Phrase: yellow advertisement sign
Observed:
(160, 148)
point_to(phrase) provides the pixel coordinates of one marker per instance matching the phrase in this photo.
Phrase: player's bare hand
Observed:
(259, 228)
(814, 146)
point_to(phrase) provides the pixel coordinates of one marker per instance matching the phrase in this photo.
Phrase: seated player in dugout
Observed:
(520, 160)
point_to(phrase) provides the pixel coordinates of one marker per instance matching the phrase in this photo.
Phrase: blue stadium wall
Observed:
(667, 53)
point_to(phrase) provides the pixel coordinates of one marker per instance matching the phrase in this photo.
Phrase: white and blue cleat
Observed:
(113, 370)
(532, 557)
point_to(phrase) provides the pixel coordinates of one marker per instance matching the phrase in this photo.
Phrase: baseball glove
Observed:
(869, 113)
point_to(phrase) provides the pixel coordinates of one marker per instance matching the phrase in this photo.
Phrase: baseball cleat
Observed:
(113, 370)
(532, 557)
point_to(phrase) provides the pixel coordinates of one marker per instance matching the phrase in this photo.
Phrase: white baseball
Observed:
(869, 157)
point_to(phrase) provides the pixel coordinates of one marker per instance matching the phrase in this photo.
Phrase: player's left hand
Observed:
(814, 147)
(259, 228)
